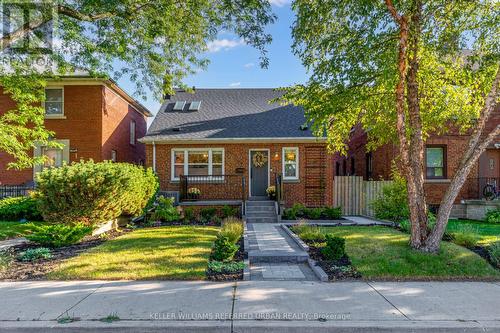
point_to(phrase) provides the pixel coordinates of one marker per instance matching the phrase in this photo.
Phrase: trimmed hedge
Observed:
(91, 193)
(16, 208)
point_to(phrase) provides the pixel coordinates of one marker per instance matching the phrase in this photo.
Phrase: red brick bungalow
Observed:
(442, 156)
(232, 144)
(93, 118)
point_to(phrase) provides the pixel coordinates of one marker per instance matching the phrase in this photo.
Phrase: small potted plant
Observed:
(194, 193)
(271, 192)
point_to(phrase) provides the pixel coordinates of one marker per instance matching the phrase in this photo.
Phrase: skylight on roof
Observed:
(194, 105)
(179, 105)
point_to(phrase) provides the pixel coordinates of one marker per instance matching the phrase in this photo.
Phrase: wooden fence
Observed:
(355, 195)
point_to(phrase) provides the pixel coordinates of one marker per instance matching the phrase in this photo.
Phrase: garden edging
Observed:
(317, 270)
(246, 261)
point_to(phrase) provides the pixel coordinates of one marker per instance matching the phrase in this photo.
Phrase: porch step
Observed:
(253, 213)
(263, 203)
(261, 209)
(277, 256)
(273, 219)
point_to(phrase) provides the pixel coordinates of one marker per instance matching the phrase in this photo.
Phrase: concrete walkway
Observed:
(273, 306)
(8, 243)
(273, 255)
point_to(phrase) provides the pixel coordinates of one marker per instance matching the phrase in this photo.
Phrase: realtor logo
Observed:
(28, 26)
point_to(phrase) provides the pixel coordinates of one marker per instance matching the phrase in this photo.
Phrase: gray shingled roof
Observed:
(228, 113)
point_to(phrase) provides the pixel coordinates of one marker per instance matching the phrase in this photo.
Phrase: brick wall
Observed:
(96, 121)
(116, 117)
(384, 156)
(237, 156)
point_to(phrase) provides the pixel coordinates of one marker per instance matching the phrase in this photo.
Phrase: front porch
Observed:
(222, 190)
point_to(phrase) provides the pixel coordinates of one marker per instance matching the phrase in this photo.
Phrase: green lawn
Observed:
(166, 253)
(383, 253)
(15, 229)
(488, 232)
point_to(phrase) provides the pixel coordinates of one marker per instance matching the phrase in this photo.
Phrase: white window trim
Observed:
(55, 116)
(37, 152)
(297, 160)
(186, 162)
(132, 133)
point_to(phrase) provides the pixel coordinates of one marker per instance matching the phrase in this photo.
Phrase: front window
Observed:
(53, 157)
(132, 132)
(197, 162)
(435, 162)
(54, 101)
(290, 163)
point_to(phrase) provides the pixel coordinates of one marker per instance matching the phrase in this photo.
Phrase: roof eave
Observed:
(151, 140)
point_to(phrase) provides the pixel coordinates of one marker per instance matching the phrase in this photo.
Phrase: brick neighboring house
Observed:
(232, 143)
(93, 118)
(442, 156)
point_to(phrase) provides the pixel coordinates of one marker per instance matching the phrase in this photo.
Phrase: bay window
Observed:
(291, 163)
(197, 162)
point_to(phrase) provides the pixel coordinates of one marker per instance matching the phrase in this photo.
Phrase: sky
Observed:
(236, 65)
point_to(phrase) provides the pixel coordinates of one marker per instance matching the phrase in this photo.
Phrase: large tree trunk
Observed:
(478, 143)
(411, 142)
(417, 202)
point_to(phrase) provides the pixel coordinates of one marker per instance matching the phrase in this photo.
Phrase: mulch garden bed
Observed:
(340, 269)
(37, 270)
(229, 276)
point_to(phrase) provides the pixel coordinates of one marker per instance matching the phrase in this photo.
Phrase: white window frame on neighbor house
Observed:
(283, 154)
(55, 115)
(37, 152)
(185, 163)
(132, 132)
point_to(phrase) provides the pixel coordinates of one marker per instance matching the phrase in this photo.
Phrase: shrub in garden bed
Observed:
(320, 213)
(227, 252)
(224, 249)
(392, 204)
(328, 251)
(35, 254)
(165, 210)
(58, 235)
(17, 208)
(92, 193)
(493, 216)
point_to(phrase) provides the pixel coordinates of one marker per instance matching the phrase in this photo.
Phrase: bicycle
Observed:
(490, 191)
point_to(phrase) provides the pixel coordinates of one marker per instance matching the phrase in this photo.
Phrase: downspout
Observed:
(154, 157)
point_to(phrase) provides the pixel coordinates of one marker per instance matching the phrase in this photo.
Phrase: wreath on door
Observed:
(259, 159)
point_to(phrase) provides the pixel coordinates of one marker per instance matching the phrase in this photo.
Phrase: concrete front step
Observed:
(255, 256)
(262, 219)
(251, 214)
(271, 209)
(260, 203)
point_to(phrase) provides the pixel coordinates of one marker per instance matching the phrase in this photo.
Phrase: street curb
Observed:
(243, 326)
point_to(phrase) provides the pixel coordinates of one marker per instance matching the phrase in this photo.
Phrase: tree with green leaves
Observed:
(398, 69)
(154, 43)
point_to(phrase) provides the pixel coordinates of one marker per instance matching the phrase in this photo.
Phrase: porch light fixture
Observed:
(276, 156)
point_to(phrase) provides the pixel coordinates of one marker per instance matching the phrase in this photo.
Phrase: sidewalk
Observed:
(271, 306)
